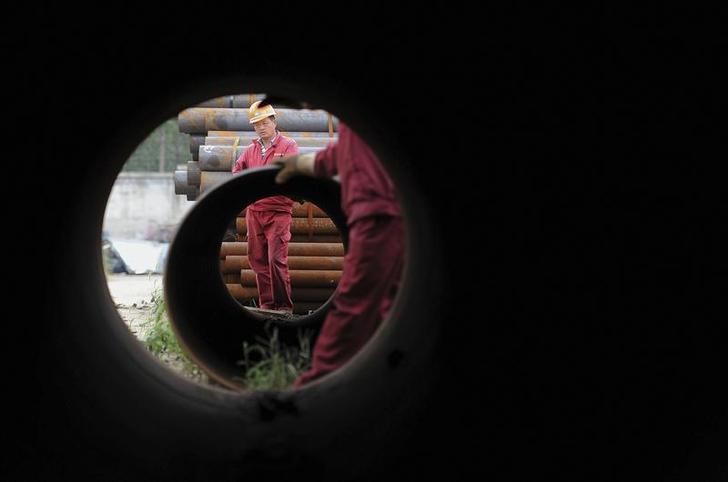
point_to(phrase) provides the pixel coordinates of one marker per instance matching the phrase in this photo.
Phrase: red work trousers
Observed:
(369, 282)
(268, 235)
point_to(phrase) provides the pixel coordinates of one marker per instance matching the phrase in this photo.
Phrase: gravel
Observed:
(132, 296)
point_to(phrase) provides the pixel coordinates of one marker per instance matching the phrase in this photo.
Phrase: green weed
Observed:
(162, 342)
(271, 365)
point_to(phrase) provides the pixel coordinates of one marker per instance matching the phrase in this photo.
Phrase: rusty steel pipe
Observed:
(299, 278)
(231, 278)
(240, 292)
(195, 142)
(299, 226)
(209, 324)
(210, 179)
(187, 178)
(231, 101)
(294, 249)
(221, 158)
(182, 187)
(193, 174)
(180, 181)
(306, 239)
(315, 238)
(301, 211)
(201, 120)
(235, 263)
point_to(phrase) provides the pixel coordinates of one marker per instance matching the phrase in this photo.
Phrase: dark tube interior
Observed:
(210, 325)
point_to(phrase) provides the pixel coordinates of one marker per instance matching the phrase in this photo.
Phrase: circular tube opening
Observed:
(313, 264)
(208, 321)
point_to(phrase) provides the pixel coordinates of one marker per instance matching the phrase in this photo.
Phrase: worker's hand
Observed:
(298, 165)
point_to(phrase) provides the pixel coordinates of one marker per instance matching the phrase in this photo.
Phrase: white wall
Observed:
(143, 205)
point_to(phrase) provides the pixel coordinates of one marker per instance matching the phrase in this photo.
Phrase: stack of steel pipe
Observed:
(315, 260)
(309, 225)
(219, 133)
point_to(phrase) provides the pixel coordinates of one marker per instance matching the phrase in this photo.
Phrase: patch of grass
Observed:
(267, 364)
(271, 365)
(162, 342)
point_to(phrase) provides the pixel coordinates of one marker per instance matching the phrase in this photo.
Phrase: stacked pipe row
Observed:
(219, 133)
(315, 260)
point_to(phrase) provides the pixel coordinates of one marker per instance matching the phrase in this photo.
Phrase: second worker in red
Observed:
(268, 220)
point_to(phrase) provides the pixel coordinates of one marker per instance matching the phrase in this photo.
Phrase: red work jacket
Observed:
(253, 157)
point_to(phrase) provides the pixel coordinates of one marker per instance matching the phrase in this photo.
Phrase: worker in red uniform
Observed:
(269, 219)
(373, 262)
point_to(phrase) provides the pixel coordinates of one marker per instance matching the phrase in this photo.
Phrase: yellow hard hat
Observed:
(256, 114)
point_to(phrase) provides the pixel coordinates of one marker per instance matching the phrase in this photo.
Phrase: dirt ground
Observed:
(132, 295)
